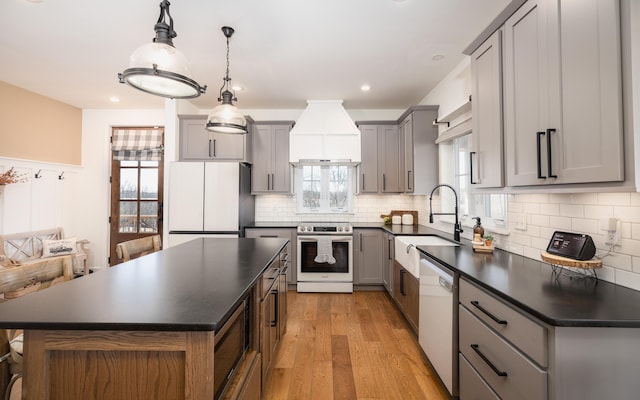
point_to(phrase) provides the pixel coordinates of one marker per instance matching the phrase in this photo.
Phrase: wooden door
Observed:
(136, 201)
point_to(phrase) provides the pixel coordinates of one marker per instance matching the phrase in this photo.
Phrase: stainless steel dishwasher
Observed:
(438, 321)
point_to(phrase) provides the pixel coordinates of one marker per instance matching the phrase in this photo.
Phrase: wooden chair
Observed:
(16, 282)
(138, 247)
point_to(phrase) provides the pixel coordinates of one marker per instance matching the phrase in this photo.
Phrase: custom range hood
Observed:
(324, 133)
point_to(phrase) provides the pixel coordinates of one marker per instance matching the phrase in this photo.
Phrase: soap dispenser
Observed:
(478, 230)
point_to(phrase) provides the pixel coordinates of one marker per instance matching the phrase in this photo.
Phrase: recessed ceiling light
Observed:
(437, 57)
(114, 99)
(365, 88)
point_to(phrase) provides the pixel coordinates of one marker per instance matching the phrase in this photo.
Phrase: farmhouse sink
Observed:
(407, 254)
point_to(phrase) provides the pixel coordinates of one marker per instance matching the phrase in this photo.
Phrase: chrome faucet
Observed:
(457, 228)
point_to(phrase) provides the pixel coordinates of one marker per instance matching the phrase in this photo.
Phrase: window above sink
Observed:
(324, 188)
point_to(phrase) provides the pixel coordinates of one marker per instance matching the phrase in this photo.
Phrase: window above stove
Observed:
(324, 188)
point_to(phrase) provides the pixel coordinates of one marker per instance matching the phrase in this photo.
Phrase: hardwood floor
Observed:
(349, 346)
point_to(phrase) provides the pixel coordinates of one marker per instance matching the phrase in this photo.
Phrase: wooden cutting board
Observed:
(400, 212)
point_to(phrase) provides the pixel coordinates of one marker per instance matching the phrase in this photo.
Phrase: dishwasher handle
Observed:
(445, 283)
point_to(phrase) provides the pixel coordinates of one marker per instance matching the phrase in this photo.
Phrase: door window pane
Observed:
(128, 217)
(148, 183)
(148, 217)
(128, 183)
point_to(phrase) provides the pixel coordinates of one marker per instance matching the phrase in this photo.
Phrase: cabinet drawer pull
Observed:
(539, 155)
(549, 153)
(268, 236)
(475, 348)
(471, 154)
(487, 313)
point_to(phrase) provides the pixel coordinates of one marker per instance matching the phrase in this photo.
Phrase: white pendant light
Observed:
(226, 118)
(159, 68)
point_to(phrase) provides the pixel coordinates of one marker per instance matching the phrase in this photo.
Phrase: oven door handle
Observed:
(332, 237)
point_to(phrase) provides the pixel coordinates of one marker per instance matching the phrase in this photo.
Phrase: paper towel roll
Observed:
(407, 219)
(396, 220)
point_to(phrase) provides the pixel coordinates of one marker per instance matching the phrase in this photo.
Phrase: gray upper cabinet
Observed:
(271, 169)
(562, 93)
(199, 144)
(486, 157)
(419, 174)
(380, 168)
(368, 169)
(389, 175)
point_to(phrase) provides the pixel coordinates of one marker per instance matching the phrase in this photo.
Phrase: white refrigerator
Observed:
(209, 199)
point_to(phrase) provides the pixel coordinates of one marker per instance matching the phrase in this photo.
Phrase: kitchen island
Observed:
(145, 329)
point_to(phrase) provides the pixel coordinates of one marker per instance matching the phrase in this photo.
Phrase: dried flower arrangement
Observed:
(11, 176)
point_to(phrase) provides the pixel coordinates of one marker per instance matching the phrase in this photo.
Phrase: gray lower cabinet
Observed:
(507, 350)
(563, 93)
(380, 169)
(271, 169)
(388, 256)
(367, 256)
(419, 158)
(291, 249)
(486, 156)
(199, 144)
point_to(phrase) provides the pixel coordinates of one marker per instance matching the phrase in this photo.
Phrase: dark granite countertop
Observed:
(532, 286)
(194, 286)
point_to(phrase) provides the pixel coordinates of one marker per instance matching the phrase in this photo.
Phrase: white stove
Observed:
(325, 257)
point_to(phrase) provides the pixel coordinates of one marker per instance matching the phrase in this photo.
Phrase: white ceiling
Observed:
(283, 51)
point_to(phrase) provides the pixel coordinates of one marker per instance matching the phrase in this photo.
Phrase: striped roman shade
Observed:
(137, 144)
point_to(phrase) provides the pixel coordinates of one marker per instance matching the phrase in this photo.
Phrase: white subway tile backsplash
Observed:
(635, 231)
(588, 226)
(572, 210)
(614, 199)
(627, 214)
(618, 261)
(635, 263)
(550, 209)
(560, 198)
(538, 220)
(560, 223)
(531, 208)
(584, 198)
(635, 199)
(599, 211)
(628, 279)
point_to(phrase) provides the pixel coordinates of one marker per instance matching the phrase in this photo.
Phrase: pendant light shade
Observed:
(226, 118)
(159, 68)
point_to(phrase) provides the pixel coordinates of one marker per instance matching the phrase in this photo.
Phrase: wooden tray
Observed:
(483, 249)
(400, 212)
(568, 262)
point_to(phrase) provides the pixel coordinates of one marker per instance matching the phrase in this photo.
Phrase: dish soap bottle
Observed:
(478, 230)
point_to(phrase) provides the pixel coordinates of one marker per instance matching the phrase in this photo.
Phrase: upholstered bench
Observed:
(26, 247)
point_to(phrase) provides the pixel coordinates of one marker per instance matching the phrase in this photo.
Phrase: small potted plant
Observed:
(488, 240)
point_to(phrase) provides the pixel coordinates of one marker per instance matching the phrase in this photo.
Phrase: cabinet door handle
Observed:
(471, 154)
(487, 313)
(549, 131)
(274, 322)
(362, 182)
(409, 180)
(389, 249)
(214, 147)
(210, 148)
(268, 181)
(539, 155)
(476, 348)
(402, 282)
(384, 182)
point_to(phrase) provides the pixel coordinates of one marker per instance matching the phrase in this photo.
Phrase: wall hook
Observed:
(61, 176)
(38, 175)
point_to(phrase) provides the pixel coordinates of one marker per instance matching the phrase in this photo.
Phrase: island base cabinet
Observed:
(97, 365)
